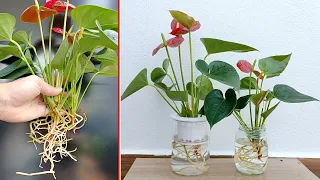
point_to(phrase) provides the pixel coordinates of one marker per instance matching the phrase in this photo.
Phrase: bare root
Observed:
(51, 132)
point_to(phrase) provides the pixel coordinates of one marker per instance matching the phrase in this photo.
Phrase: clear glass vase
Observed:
(190, 150)
(251, 150)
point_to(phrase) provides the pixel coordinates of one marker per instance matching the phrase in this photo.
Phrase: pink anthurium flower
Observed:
(179, 29)
(173, 42)
(59, 6)
(244, 66)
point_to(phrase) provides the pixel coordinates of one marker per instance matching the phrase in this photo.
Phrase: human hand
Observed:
(21, 100)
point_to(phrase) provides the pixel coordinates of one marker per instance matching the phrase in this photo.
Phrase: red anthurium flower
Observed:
(30, 15)
(173, 42)
(178, 29)
(71, 35)
(244, 66)
(59, 6)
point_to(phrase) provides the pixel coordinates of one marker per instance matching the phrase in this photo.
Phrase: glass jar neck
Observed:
(256, 132)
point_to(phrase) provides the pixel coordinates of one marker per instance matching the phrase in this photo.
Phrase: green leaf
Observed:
(139, 82)
(178, 95)
(7, 25)
(162, 86)
(60, 56)
(109, 57)
(8, 49)
(17, 73)
(202, 66)
(216, 107)
(86, 15)
(21, 37)
(90, 68)
(287, 94)
(274, 65)
(269, 111)
(242, 102)
(12, 67)
(245, 83)
(183, 18)
(165, 65)
(206, 87)
(270, 96)
(157, 75)
(256, 99)
(111, 70)
(220, 71)
(218, 46)
(108, 38)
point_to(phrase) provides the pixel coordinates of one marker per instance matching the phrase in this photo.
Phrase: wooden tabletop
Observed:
(127, 160)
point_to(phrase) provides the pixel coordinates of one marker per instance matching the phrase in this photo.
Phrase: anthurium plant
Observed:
(94, 40)
(260, 101)
(185, 97)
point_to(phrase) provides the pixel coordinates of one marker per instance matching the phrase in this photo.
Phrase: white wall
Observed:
(273, 27)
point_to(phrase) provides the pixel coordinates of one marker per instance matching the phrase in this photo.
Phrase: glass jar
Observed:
(251, 150)
(190, 149)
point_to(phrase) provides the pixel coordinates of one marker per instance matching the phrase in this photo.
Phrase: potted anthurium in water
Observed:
(97, 31)
(190, 152)
(251, 145)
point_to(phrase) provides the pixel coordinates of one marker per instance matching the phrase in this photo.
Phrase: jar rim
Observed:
(176, 117)
(254, 130)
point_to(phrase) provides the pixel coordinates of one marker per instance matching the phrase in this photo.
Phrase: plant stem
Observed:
(85, 90)
(23, 56)
(181, 69)
(65, 20)
(164, 98)
(252, 68)
(170, 61)
(200, 87)
(192, 80)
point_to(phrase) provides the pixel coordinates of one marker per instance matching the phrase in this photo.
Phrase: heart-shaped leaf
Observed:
(218, 46)
(165, 65)
(60, 56)
(30, 15)
(21, 37)
(220, 71)
(269, 111)
(108, 38)
(7, 25)
(245, 83)
(157, 75)
(178, 95)
(110, 71)
(287, 94)
(86, 15)
(242, 102)
(8, 49)
(139, 82)
(274, 65)
(256, 99)
(205, 86)
(162, 86)
(183, 18)
(108, 57)
(216, 107)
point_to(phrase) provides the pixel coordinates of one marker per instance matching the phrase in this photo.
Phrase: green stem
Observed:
(251, 120)
(23, 56)
(192, 80)
(200, 87)
(85, 90)
(170, 61)
(181, 69)
(65, 20)
(164, 98)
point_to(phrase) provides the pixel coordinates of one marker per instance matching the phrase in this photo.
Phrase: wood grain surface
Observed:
(127, 160)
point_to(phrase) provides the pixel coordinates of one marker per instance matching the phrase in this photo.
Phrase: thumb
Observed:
(47, 89)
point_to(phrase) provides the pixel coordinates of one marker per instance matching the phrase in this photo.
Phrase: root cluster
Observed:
(51, 132)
